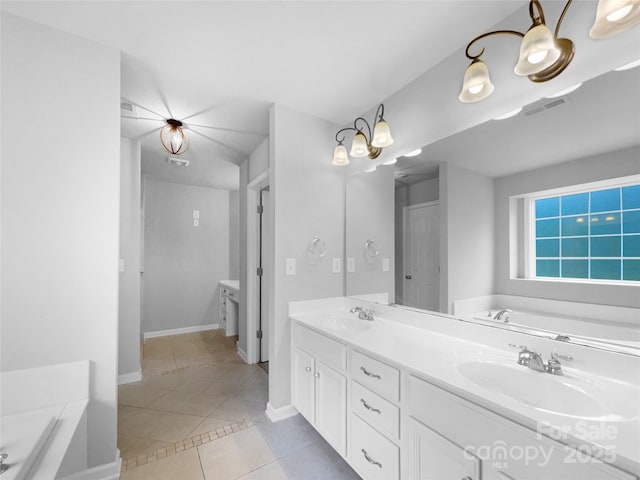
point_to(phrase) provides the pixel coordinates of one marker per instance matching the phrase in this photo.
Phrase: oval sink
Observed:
(560, 395)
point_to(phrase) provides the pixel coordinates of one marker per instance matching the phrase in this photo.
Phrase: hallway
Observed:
(198, 414)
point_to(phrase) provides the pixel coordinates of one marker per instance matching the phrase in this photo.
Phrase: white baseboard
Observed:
(178, 331)
(108, 471)
(277, 414)
(243, 355)
(130, 377)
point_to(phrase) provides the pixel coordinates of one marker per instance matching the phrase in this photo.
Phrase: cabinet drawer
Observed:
(375, 410)
(331, 352)
(372, 455)
(376, 375)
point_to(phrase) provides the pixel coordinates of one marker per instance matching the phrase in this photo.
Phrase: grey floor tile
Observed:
(288, 435)
(317, 461)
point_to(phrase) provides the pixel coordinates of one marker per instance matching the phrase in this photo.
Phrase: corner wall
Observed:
(60, 207)
(599, 167)
(307, 197)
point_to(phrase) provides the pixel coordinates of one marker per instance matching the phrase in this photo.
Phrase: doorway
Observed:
(421, 283)
(263, 284)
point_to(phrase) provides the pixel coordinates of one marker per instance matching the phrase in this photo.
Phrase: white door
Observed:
(422, 256)
(264, 279)
(303, 384)
(331, 405)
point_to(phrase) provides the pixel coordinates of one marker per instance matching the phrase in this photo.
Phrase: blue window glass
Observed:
(631, 246)
(548, 248)
(631, 197)
(605, 246)
(631, 270)
(547, 268)
(548, 207)
(574, 226)
(575, 204)
(605, 200)
(575, 269)
(631, 222)
(605, 269)
(548, 228)
(605, 224)
(575, 247)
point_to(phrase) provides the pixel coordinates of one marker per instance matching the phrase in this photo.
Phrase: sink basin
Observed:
(561, 395)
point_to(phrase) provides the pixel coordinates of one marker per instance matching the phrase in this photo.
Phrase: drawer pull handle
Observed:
(307, 369)
(369, 374)
(370, 460)
(369, 407)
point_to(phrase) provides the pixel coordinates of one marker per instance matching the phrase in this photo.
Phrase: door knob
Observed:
(408, 277)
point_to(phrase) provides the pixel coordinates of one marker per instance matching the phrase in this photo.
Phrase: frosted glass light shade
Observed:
(538, 51)
(340, 157)
(477, 84)
(359, 146)
(174, 140)
(615, 16)
(381, 135)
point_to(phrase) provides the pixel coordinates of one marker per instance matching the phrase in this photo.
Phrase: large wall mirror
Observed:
(395, 215)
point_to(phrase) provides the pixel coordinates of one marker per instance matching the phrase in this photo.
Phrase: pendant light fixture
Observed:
(362, 145)
(615, 16)
(173, 138)
(543, 56)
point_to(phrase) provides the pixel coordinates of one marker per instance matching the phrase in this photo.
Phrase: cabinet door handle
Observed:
(369, 407)
(369, 374)
(317, 375)
(370, 460)
(307, 369)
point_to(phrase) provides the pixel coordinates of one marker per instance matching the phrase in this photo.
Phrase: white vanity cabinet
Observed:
(319, 388)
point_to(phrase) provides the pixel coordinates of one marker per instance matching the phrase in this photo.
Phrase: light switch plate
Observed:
(351, 265)
(336, 265)
(290, 266)
(385, 264)
(196, 214)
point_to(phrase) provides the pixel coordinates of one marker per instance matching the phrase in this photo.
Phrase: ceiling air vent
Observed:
(178, 162)
(545, 104)
(128, 109)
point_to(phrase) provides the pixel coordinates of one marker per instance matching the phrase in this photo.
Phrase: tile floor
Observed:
(198, 414)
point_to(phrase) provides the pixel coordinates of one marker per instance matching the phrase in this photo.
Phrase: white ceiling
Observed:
(601, 116)
(223, 63)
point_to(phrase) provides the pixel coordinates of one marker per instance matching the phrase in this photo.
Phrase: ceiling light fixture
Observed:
(543, 56)
(363, 146)
(173, 138)
(615, 16)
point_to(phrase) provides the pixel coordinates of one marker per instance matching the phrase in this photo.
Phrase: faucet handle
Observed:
(556, 356)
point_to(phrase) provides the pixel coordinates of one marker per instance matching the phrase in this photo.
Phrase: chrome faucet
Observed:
(504, 313)
(364, 314)
(534, 361)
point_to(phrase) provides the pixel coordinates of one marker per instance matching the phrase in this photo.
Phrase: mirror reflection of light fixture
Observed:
(543, 56)
(173, 138)
(363, 146)
(615, 16)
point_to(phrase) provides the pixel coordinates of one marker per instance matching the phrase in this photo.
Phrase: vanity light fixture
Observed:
(173, 138)
(543, 56)
(510, 114)
(566, 91)
(615, 16)
(363, 146)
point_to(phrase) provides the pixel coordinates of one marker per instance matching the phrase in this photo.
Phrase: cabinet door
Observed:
(331, 405)
(434, 457)
(303, 384)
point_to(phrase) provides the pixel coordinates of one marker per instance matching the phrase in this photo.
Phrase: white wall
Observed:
(60, 200)
(307, 198)
(234, 236)
(183, 263)
(600, 167)
(369, 216)
(467, 235)
(129, 286)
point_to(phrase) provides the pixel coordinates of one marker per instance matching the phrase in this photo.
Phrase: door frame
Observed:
(405, 213)
(253, 244)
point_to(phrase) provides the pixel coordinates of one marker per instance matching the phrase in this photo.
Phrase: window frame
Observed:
(529, 227)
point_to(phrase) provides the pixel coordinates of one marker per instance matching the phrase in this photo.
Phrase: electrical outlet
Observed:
(290, 266)
(196, 222)
(351, 265)
(336, 265)
(385, 264)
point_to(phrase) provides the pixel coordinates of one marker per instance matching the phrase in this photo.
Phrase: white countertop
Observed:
(435, 356)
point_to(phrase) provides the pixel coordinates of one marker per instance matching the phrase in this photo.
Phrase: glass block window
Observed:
(589, 235)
